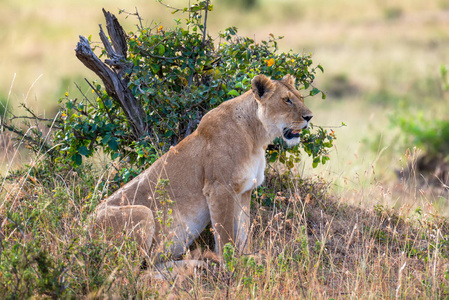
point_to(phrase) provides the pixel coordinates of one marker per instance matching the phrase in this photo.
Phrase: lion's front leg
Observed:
(221, 200)
(242, 222)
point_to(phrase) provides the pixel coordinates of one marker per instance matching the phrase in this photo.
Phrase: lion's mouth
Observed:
(291, 134)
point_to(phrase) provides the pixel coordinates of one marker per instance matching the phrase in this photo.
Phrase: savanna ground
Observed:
(349, 229)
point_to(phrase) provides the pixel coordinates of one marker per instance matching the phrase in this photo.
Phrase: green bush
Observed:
(430, 134)
(177, 75)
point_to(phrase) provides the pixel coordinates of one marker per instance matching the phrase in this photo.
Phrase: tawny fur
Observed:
(211, 173)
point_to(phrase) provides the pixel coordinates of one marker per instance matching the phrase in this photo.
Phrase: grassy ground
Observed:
(358, 232)
(304, 244)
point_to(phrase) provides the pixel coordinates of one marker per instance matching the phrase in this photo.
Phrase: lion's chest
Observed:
(253, 171)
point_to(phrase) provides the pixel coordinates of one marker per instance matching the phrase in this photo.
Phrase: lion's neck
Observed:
(248, 116)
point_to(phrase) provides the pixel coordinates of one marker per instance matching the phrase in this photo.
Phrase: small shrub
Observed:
(430, 134)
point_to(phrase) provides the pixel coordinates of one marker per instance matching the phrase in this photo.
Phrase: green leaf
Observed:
(83, 151)
(77, 159)
(316, 161)
(106, 139)
(233, 93)
(155, 68)
(213, 100)
(161, 49)
(314, 91)
(113, 144)
(273, 156)
(239, 85)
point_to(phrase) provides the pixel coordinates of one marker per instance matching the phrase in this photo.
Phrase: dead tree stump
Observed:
(113, 71)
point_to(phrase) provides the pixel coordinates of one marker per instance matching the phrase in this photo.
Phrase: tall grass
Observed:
(305, 243)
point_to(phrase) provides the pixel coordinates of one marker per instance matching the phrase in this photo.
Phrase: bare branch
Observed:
(35, 118)
(116, 33)
(82, 93)
(101, 98)
(171, 7)
(205, 22)
(20, 133)
(114, 79)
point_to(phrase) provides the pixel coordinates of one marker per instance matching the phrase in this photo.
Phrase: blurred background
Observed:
(384, 74)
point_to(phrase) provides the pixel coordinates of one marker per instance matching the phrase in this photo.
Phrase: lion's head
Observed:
(281, 110)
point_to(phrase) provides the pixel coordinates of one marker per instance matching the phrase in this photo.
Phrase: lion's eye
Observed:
(288, 101)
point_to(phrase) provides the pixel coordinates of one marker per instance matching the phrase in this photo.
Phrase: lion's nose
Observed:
(307, 118)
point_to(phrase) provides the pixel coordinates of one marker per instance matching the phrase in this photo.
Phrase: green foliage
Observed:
(248, 272)
(432, 135)
(421, 130)
(228, 256)
(313, 144)
(26, 270)
(177, 75)
(46, 248)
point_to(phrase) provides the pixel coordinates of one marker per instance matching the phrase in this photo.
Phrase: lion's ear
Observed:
(289, 79)
(261, 86)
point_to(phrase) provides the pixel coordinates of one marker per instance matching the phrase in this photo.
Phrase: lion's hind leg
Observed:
(135, 221)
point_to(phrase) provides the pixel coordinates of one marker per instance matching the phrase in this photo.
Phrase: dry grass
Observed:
(304, 244)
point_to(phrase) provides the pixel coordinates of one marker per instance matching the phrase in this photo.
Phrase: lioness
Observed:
(211, 173)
